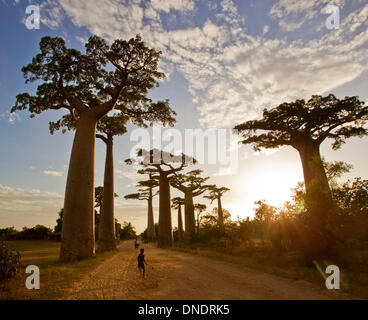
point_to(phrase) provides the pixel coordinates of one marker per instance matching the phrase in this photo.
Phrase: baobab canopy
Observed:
(318, 118)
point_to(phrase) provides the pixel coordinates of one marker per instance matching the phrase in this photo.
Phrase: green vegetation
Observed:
(55, 277)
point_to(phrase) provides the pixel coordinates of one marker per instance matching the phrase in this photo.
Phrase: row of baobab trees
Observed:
(165, 170)
(106, 87)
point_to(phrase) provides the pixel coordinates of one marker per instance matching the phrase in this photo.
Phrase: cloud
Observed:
(130, 175)
(53, 173)
(178, 5)
(19, 206)
(293, 14)
(231, 74)
(11, 117)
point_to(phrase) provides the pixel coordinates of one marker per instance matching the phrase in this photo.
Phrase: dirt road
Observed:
(177, 275)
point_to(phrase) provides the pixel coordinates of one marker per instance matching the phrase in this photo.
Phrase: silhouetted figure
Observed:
(141, 262)
(136, 243)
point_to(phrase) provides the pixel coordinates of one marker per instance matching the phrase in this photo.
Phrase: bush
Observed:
(9, 262)
(38, 232)
(8, 234)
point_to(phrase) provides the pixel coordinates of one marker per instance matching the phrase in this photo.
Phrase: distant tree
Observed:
(145, 192)
(352, 197)
(199, 208)
(89, 86)
(216, 194)
(177, 204)
(39, 232)
(192, 185)
(304, 126)
(99, 203)
(162, 166)
(59, 222)
(127, 231)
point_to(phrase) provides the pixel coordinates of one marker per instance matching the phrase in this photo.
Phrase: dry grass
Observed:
(55, 277)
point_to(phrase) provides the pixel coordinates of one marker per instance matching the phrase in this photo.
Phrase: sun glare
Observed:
(274, 187)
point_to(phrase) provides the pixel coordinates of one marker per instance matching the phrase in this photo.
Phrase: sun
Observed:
(274, 185)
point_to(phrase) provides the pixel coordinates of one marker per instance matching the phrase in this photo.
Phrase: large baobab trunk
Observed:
(319, 201)
(189, 216)
(219, 212)
(164, 223)
(180, 224)
(106, 231)
(150, 223)
(78, 237)
(316, 184)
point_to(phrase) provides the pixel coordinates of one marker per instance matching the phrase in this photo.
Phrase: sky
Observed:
(225, 61)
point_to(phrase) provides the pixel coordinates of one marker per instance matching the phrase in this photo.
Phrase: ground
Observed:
(55, 277)
(177, 275)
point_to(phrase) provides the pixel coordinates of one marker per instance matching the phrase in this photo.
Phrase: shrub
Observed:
(9, 262)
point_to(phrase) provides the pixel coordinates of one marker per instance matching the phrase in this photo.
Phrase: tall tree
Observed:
(304, 125)
(108, 128)
(99, 203)
(145, 192)
(88, 85)
(199, 207)
(162, 166)
(192, 185)
(216, 194)
(177, 203)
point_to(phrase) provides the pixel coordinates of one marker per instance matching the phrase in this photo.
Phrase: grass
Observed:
(285, 265)
(55, 277)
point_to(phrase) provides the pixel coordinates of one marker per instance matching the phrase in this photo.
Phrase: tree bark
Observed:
(78, 236)
(319, 203)
(150, 221)
(180, 224)
(164, 223)
(106, 231)
(189, 216)
(219, 212)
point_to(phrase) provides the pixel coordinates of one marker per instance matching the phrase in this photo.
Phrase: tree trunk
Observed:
(164, 223)
(78, 236)
(180, 225)
(150, 223)
(189, 216)
(106, 231)
(319, 203)
(219, 212)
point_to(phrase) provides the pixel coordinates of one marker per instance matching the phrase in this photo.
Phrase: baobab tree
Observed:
(199, 207)
(177, 203)
(109, 127)
(145, 192)
(192, 185)
(88, 85)
(216, 194)
(162, 166)
(305, 125)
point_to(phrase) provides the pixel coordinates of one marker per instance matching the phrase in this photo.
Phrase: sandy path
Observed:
(177, 275)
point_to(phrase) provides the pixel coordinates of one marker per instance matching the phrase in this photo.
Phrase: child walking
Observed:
(141, 262)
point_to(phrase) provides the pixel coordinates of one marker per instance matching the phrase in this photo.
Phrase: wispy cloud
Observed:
(231, 74)
(20, 202)
(53, 173)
